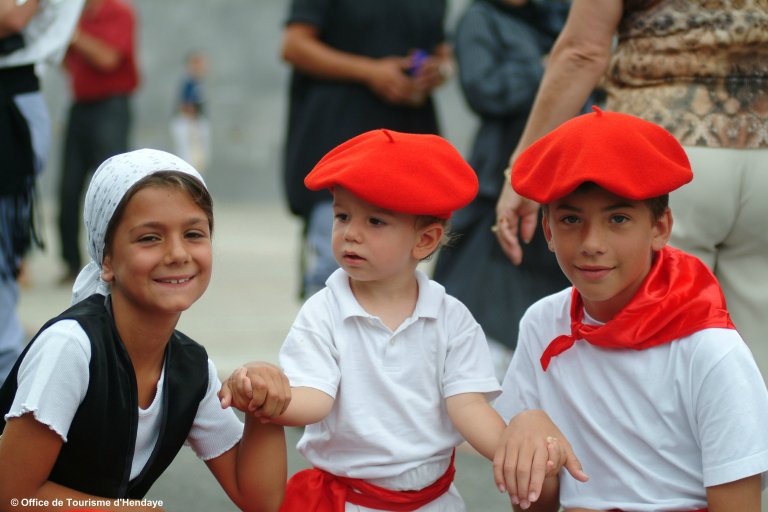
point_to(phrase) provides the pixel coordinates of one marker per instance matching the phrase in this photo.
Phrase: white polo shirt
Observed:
(653, 428)
(388, 423)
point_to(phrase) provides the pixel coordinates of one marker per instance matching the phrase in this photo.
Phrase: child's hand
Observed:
(531, 449)
(259, 388)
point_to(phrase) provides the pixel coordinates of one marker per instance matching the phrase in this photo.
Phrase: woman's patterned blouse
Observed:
(699, 68)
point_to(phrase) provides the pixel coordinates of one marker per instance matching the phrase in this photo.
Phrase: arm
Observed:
(304, 50)
(13, 17)
(528, 458)
(248, 390)
(29, 444)
(576, 64)
(742, 495)
(253, 473)
(96, 52)
(476, 421)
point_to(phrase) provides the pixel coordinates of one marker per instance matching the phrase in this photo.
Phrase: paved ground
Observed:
(244, 315)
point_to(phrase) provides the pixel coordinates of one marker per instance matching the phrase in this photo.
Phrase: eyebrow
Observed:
(157, 224)
(615, 206)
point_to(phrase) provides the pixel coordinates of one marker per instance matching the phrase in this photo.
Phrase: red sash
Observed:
(678, 297)
(315, 490)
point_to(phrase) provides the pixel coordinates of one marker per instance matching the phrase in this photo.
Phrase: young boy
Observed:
(387, 372)
(638, 365)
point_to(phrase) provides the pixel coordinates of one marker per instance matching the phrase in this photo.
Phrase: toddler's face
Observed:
(372, 243)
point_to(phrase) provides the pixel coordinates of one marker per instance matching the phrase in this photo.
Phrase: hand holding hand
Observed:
(258, 388)
(531, 449)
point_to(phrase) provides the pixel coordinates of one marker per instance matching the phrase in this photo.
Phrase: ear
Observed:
(662, 228)
(107, 274)
(547, 232)
(427, 240)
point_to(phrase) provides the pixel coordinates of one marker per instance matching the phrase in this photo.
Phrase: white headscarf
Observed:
(109, 184)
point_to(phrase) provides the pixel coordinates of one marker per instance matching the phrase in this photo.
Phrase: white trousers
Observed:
(722, 217)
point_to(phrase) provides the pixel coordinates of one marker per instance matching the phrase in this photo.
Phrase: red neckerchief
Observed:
(315, 490)
(678, 297)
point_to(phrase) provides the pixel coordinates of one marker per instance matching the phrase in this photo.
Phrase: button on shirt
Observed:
(389, 387)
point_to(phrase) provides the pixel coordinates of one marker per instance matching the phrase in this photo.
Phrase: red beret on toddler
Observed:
(411, 173)
(626, 155)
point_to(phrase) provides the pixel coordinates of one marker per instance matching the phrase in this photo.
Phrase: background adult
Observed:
(500, 48)
(101, 64)
(351, 61)
(33, 36)
(698, 68)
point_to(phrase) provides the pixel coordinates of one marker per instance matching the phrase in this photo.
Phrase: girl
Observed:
(104, 396)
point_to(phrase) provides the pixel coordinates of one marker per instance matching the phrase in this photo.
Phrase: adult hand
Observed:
(389, 81)
(516, 219)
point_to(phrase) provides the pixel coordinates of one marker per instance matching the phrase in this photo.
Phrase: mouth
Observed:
(594, 272)
(353, 257)
(181, 280)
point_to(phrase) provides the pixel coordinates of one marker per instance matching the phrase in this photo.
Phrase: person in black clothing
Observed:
(357, 66)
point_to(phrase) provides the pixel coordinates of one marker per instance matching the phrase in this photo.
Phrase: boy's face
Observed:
(604, 244)
(373, 244)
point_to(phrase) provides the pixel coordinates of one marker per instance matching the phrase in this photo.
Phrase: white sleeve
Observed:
(519, 390)
(215, 430)
(468, 366)
(731, 408)
(53, 377)
(308, 356)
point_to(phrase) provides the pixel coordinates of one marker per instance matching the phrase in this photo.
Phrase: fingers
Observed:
(498, 468)
(537, 476)
(506, 233)
(573, 465)
(271, 392)
(528, 223)
(228, 394)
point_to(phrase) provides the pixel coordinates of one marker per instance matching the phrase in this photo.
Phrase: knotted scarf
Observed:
(315, 490)
(678, 297)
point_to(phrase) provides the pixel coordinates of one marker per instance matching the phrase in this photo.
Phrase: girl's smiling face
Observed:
(604, 244)
(160, 258)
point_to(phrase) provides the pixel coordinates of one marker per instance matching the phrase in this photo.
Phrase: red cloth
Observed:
(113, 22)
(678, 297)
(419, 174)
(624, 154)
(315, 490)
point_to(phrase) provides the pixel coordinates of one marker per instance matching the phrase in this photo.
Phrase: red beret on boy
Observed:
(626, 155)
(411, 173)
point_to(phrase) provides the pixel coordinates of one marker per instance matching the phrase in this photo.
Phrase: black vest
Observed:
(97, 456)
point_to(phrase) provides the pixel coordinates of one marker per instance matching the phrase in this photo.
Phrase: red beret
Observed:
(411, 173)
(626, 155)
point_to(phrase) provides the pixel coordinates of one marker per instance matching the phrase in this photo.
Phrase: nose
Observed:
(352, 231)
(593, 240)
(176, 250)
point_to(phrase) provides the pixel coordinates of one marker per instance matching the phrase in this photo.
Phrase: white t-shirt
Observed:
(388, 424)
(653, 427)
(53, 380)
